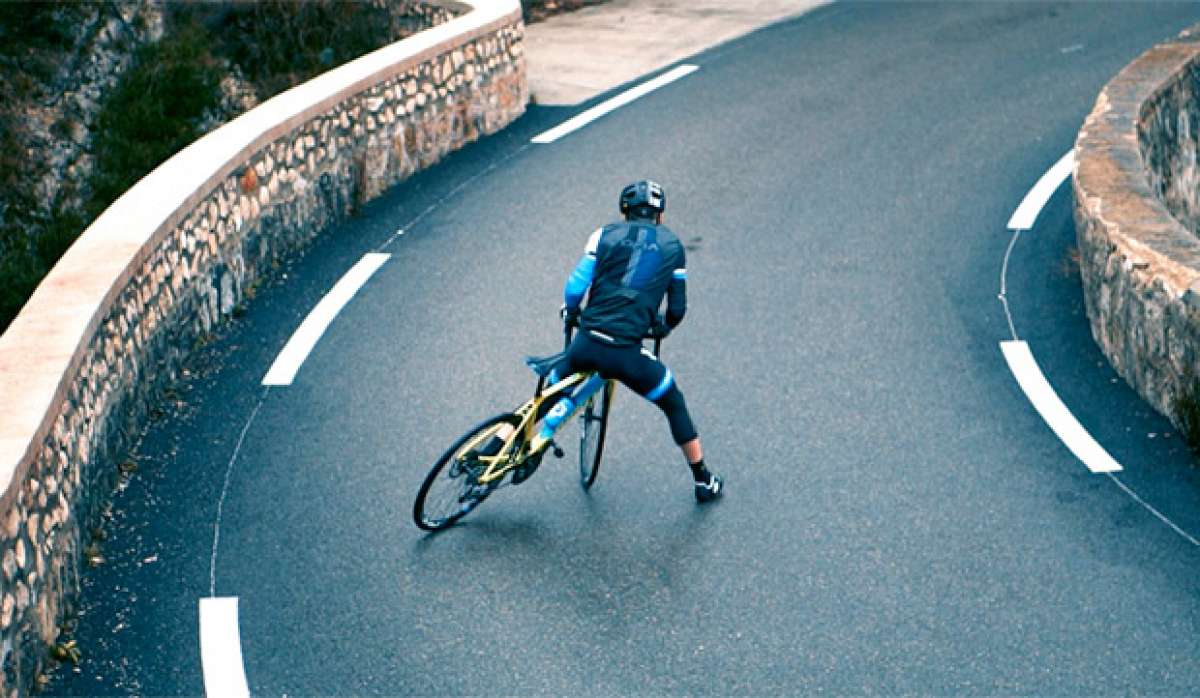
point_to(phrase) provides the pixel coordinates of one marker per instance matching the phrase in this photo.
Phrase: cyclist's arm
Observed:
(581, 278)
(677, 294)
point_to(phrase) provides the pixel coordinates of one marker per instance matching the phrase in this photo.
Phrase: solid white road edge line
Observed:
(221, 648)
(1157, 514)
(1025, 215)
(1051, 407)
(583, 119)
(283, 371)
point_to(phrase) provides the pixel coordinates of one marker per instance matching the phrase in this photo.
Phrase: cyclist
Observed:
(626, 270)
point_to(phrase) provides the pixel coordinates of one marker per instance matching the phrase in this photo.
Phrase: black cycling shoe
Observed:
(708, 491)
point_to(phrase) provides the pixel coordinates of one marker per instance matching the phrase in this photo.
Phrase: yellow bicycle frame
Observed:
(524, 442)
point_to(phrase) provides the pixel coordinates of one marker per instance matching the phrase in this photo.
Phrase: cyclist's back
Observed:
(636, 263)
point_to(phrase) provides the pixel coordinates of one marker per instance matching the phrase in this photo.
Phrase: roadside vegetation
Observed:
(32, 39)
(174, 91)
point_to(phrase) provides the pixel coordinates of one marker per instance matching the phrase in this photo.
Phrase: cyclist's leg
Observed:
(642, 372)
(652, 379)
(579, 357)
(708, 486)
(563, 369)
(573, 361)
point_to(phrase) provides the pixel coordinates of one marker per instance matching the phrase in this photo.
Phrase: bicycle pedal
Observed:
(558, 452)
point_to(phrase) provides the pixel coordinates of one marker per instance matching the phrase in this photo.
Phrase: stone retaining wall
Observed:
(1136, 219)
(111, 324)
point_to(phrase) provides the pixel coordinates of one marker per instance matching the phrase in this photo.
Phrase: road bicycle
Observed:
(463, 477)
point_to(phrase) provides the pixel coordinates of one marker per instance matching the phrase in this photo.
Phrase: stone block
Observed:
(8, 608)
(12, 523)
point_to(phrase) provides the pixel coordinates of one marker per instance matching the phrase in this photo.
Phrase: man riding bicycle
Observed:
(626, 270)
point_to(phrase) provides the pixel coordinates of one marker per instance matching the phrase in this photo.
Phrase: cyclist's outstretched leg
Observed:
(708, 485)
(641, 371)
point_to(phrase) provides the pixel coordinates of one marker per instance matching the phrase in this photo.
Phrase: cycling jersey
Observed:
(626, 269)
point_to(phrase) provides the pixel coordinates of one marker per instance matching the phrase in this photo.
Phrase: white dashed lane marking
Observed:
(583, 119)
(1057, 416)
(1033, 203)
(221, 648)
(1017, 353)
(283, 371)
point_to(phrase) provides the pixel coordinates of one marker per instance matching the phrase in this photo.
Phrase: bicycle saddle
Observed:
(544, 364)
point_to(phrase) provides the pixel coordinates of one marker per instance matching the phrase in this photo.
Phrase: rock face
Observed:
(56, 127)
(107, 48)
(1137, 216)
(194, 273)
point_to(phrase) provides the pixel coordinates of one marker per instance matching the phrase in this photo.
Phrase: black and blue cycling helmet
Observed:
(643, 199)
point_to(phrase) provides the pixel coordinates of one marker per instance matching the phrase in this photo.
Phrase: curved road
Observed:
(899, 519)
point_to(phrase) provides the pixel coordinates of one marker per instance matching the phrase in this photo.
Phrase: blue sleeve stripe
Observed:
(680, 274)
(579, 280)
(662, 388)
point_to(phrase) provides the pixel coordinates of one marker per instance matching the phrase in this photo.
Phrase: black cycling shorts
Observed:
(639, 369)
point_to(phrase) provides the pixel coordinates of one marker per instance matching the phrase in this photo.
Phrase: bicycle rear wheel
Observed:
(450, 490)
(593, 425)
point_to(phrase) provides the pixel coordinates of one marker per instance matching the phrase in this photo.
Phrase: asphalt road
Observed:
(898, 518)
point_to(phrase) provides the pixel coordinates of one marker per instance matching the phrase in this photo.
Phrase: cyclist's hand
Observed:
(659, 330)
(570, 316)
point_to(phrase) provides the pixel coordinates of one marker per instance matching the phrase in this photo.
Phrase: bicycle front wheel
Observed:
(450, 490)
(593, 424)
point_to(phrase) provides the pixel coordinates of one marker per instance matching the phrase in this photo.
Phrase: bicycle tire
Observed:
(593, 425)
(461, 500)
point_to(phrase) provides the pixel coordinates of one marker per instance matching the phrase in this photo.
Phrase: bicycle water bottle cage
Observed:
(543, 365)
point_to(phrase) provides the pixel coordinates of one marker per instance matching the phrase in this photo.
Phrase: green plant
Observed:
(154, 112)
(20, 273)
(281, 43)
(33, 37)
